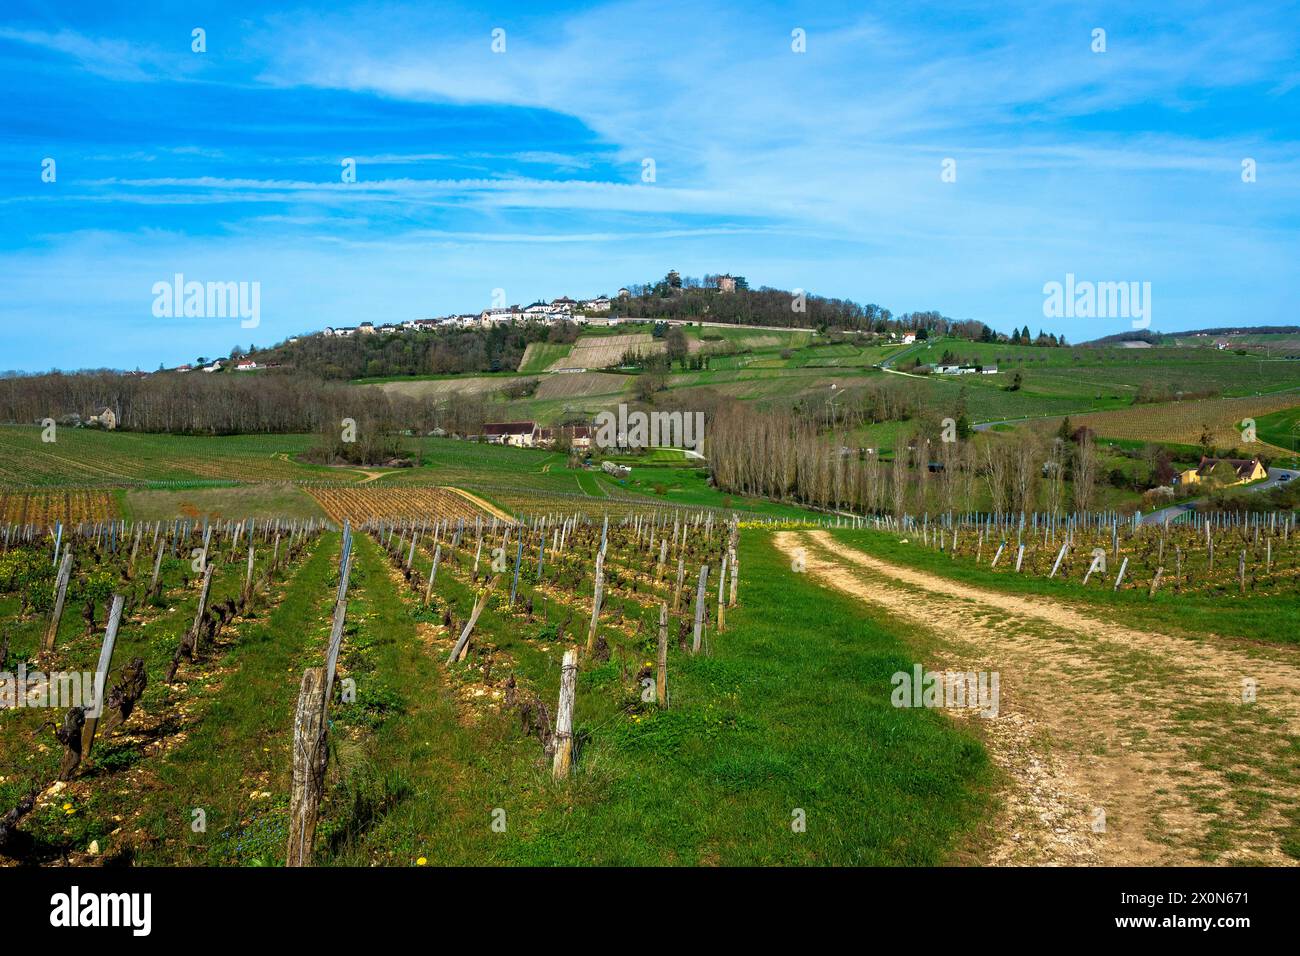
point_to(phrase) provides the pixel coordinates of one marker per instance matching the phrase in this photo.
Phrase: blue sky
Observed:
(522, 170)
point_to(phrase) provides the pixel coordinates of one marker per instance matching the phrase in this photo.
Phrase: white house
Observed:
(909, 338)
(246, 366)
(500, 316)
(598, 304)
(511, 433)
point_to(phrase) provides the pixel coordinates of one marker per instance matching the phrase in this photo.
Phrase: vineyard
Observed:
(1184, 422)
(359, 505)
(113, 633)
(176, 614)
(46, 509)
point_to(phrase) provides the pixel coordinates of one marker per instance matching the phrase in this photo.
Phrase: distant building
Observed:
(490, 317)
(105, 419)
(726, 283)
(1223, 471)
(246, 366)
(909, 338)
(523, 434)
(624, 294)
(598, 304)
(579, 436)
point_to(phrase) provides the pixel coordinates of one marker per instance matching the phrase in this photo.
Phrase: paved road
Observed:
(1275, 478)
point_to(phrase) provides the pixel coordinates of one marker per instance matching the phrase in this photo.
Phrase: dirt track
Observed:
(1148, 728)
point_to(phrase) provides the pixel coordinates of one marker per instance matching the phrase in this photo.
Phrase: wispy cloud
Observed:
(529, 167)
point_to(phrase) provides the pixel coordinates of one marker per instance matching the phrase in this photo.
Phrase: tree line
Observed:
(194, 403)
(785, 455)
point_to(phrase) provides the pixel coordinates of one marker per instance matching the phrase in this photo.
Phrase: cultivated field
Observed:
(69, 507)
(582, 385)
(605, 351)
(361, 504)
(1184, 422)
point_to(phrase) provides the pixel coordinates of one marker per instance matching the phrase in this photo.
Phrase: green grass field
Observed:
(1280, 428)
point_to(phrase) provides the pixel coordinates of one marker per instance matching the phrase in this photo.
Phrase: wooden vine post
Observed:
(309, 754)
(661, 671)
(461, 650)
(310, 726)
(564, 715)
(60, 595)
(433, 571)
(699, 609)
(596, 600)
(681, 577)
(101, 676)
(722, 592)
(197, 627)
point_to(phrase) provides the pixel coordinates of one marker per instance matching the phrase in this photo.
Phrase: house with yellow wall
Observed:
(1224, 472)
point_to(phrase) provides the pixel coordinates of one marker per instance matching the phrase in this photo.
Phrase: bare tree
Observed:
(995, 472)
(898, 479)
(1085, 472)
(1055, 474)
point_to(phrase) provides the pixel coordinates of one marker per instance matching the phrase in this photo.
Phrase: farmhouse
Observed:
(909, 338)
(105, 419)
(1223, 471)
(523, 434)
(579, 436)
(246, 366)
